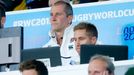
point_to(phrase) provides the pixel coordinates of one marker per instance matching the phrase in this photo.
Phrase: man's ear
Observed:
(70, 18)
(94, 40)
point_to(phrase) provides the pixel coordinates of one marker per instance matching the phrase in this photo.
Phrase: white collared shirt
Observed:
(67, 50)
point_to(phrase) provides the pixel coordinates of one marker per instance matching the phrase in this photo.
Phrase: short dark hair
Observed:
(3, 12)
(2, 9)
(33, 64)
(67, 7)
(91, 30)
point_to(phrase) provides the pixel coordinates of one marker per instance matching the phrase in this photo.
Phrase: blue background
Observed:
(111, 30)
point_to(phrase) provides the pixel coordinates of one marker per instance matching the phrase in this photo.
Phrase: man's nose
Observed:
(77, 42)
(53, 17)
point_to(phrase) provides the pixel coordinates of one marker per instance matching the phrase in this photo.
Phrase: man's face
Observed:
(59, 20)
(81, 37)
(97, 67)
(3, 19)
(30, 72)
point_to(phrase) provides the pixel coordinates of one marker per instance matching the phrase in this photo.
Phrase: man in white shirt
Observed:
(2, 22)
(61, 33)
(84, 33)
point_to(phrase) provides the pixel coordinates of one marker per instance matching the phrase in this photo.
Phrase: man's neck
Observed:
(59, 36)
